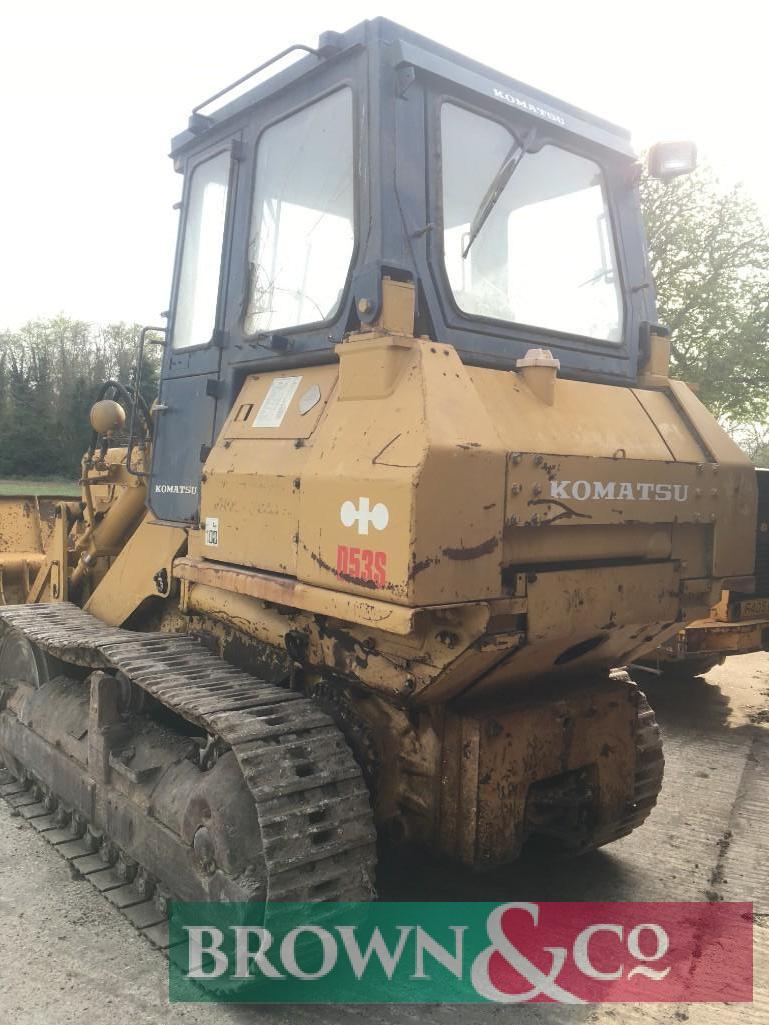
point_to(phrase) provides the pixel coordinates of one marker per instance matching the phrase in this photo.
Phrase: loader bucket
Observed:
(26, 522)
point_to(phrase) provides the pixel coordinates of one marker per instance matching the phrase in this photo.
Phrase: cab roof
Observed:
(407, 49)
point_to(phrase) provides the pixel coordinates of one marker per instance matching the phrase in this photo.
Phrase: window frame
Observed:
(285, 115)
(229, 145)
(515, 122)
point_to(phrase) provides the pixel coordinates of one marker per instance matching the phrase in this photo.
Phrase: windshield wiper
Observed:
(498, 185)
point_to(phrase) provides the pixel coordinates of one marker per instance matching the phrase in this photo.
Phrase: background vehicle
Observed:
(416, 480)
(737, 625)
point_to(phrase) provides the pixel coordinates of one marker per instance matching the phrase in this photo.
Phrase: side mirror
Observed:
(668, 160)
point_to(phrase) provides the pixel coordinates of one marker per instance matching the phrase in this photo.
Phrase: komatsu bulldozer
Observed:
(415, 481)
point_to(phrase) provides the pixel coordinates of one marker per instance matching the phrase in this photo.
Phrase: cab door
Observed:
(184, 418)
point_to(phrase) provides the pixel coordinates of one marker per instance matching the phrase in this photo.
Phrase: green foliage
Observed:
(753, 438)
(64, 487)
(709, 256)
(50, 372)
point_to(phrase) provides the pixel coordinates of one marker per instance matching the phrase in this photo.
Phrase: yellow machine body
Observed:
(520, 538)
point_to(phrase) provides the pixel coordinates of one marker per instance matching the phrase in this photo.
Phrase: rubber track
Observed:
(312, 803)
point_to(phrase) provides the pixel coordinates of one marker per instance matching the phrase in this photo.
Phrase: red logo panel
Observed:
(601, 952)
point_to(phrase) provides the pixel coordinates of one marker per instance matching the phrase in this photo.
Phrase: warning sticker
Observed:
(212, 531)
(276, 402)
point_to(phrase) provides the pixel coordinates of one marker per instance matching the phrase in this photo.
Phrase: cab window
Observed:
(526, 230)
(302, 223)
(201, 261)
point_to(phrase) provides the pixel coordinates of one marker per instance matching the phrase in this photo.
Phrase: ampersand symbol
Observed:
(544, 983)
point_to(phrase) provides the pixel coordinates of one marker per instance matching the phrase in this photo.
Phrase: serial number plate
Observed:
(753, 608)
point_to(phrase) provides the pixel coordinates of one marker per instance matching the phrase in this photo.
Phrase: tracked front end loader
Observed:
(416, 480)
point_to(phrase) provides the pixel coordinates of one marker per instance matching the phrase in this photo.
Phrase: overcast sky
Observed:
(93, 91)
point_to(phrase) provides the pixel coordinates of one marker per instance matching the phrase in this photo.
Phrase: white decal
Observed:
(176, 489)
(542, 981)
(529, 107)
(613, 491)
(212, 531)
(276, 402)
(364, 515)
(309, 400)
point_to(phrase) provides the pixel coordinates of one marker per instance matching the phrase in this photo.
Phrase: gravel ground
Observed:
(66, 956)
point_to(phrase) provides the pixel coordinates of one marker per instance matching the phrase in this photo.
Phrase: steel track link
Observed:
(312, 804)
(650, 767)
(145, 912)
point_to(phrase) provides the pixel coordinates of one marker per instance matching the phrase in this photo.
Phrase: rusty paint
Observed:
(384, 448)
(374, 611)
(612, 621)
(419, 567)
(567, 513)
(484, 548)
(345, 644)
(346, 577)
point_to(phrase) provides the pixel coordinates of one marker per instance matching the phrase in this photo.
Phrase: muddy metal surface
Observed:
(67, 956)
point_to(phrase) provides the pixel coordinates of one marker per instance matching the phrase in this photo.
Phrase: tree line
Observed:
(50, 373)
(709, 258)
